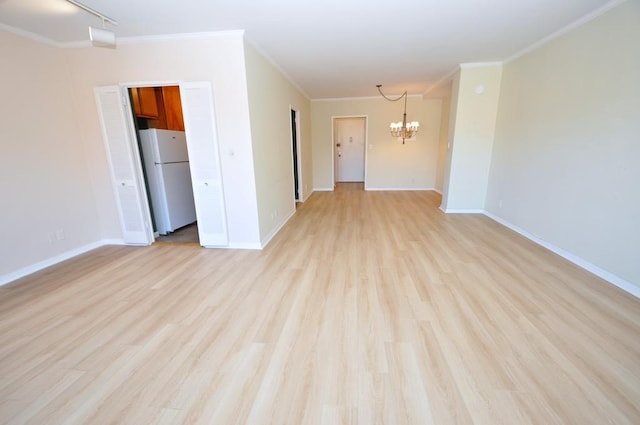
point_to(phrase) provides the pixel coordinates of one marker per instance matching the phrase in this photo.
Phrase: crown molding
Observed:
(575, 24)
(444, 79)
(273, 63)
(480, 64)
(210, 35)
(562, 31)
(29, 35)
(337, 99)
(449, 75)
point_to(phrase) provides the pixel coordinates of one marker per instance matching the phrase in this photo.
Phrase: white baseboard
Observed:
(578, 261)
(113, 242)
(463, 211)
(323, 189)
(276, 229)
(308, 195)
(251, 246)
(397, 189)
(10, 277)
(603, 274)
(265, 241)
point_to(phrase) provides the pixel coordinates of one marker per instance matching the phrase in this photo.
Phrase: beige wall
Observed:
(566, 159)
(443, 141)
(389, 163)
(45, 181)
(453, 106)
(271, 98)
(218, 60)
(478, 89)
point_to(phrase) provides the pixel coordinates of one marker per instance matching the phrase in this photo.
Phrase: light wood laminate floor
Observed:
(186, 234)
(367, 308)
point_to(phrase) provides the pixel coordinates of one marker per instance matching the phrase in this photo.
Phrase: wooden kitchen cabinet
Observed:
(173, 107)
(145, 102)
(161, 107)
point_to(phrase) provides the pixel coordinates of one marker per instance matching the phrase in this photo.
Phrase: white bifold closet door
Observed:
(204, 163)
(123, 155)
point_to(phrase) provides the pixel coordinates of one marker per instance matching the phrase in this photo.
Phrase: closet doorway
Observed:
(162, 147)
(115, 109)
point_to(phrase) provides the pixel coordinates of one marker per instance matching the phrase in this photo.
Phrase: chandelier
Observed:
(403, 129)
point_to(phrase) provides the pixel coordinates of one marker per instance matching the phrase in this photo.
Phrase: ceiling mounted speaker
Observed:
(102, 38)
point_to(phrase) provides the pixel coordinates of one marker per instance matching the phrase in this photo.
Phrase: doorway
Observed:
(295, 149)
(349, 141)
(162, 147)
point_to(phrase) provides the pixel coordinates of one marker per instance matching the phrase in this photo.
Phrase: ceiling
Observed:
(328, 48)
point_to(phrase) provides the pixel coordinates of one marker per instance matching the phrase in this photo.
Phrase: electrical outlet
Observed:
(60, 234)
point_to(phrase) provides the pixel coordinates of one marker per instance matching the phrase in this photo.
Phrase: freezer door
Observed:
(171, 146)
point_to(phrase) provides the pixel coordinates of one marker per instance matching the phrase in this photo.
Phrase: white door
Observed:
(204, 161)
(349, 148)
(123, 157)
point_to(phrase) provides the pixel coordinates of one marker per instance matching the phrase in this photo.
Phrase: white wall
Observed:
(271, 98)
(219, 60)
(390, 164)
(45, 181)
(478, 89)
(566, 158)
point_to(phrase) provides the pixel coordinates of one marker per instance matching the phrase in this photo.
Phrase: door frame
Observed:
(210, 182)
(333, 145)
(133, 138)
(298, 159)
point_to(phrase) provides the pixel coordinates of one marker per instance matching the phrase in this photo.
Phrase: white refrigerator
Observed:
(166, 163)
